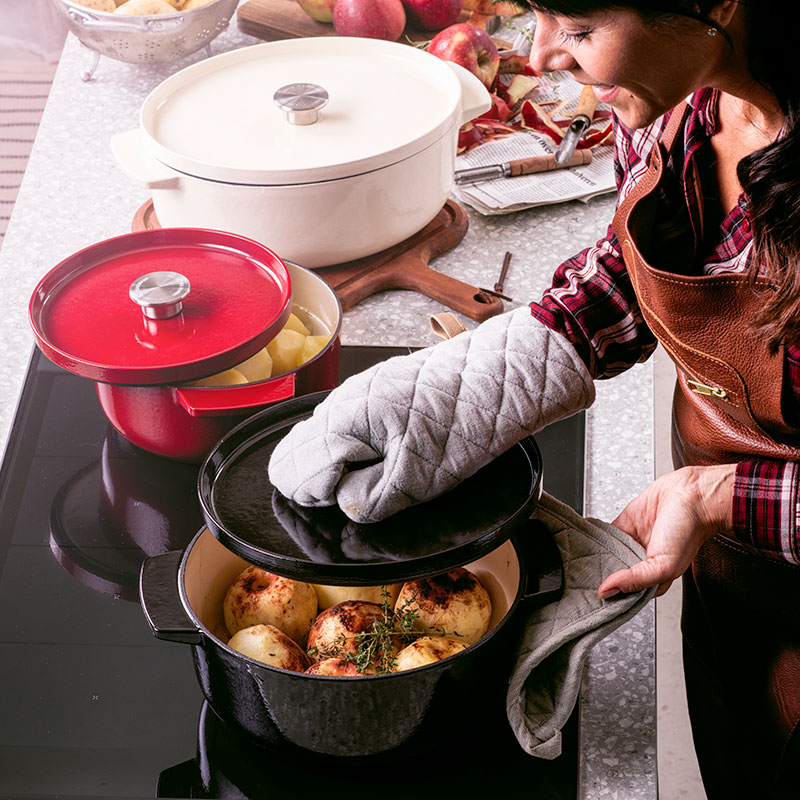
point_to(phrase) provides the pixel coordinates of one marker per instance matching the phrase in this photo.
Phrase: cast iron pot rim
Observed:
(209, 637)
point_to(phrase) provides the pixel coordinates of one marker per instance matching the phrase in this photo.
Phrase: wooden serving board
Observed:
(278, 19)
(403, 266)
(272, 20)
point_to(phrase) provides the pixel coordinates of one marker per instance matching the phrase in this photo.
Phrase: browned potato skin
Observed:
(259, 597)
(267, 644)
(453, 604)
(337, 667)
(427, 650)
(344, 619)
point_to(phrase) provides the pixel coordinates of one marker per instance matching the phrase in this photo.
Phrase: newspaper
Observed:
(504, 195)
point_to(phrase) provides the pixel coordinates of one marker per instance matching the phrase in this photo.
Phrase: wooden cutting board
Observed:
(284, 19)
(403, 266)
(278, 19)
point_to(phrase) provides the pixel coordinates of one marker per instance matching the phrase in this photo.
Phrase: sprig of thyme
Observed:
(376, 647)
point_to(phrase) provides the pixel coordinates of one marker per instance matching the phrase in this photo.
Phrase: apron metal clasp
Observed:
(702, 388)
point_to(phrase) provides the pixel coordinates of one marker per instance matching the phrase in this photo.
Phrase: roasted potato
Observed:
(267, 644)
(259, 597)
(427, 650)
(453, 604)
(337, 667)
(334, 632)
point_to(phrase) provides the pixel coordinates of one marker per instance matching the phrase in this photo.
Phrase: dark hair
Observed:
(768, 176)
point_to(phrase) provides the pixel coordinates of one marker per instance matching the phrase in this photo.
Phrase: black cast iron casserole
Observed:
(484, 524)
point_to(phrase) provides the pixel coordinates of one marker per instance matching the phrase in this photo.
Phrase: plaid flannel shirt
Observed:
(591, 301)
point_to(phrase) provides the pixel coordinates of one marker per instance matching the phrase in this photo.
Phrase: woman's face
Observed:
(640, 68)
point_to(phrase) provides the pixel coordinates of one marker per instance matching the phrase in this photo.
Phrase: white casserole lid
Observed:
(386, 101)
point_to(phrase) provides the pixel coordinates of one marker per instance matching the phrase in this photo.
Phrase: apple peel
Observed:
(513, 111)
(500, 110)
(515, 64)
(483, 130)
(604, 135)
(469, 136)
(535, 118)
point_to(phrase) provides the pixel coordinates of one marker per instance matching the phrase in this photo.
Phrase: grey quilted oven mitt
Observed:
(557, 638)
(411, 428)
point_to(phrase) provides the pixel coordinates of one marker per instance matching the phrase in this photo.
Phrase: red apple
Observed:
(371, 19)
(468, 46)
(320, 10)
(432, 15)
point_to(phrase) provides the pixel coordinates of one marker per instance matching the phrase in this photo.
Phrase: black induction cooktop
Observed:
(91, 704)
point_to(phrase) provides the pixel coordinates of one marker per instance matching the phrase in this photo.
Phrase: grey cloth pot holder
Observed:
(557, 638)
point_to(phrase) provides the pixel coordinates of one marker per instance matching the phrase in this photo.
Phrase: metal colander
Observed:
(149, 39)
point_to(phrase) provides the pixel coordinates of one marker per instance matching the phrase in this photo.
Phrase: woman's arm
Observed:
(591, 299)
(766, 508)
(592, 303)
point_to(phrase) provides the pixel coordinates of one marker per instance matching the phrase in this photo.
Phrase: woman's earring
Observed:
(712, 31)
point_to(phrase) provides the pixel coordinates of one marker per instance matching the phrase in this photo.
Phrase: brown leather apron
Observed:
(741, 612)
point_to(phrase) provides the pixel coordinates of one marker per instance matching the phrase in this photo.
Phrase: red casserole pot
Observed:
(146, 313)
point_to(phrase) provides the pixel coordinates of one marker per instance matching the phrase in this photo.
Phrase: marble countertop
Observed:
(73, 195)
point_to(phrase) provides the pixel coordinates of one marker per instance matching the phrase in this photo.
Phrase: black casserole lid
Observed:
(322, 545)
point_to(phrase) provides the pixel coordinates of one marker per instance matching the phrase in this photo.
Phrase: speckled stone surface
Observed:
(74, 195)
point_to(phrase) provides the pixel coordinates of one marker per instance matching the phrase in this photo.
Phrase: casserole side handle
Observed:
(475, 97)
(210, 401)
(543, 563)
(130, 152)
(158, 592)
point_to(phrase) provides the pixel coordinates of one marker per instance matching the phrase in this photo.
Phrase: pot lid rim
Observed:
(159, 97)
(267, 179)
(354, 572)
(180, 370)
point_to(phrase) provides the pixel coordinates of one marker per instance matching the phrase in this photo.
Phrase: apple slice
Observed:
(520, 86)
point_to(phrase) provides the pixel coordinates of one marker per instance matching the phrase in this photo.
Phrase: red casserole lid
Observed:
(160, 306)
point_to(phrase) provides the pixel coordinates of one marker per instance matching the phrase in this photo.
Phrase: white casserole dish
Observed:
(375, 167)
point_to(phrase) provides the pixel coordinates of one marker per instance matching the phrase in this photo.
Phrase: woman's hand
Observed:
(671, 519)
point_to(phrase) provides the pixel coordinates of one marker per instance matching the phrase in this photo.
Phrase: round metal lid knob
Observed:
(301, 102)
(160, 294)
